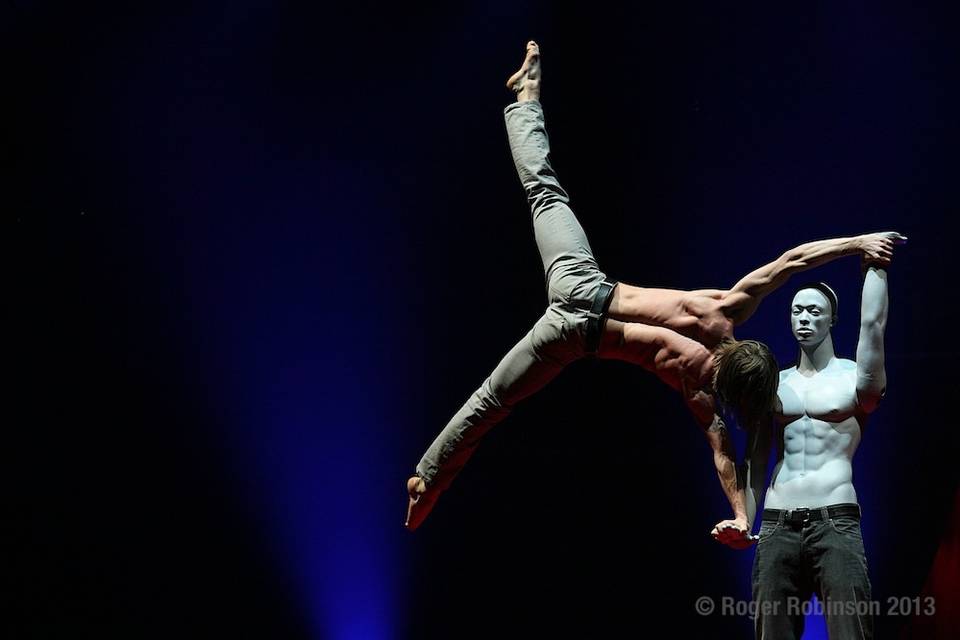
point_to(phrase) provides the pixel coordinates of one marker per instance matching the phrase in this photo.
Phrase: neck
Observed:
(815, 358)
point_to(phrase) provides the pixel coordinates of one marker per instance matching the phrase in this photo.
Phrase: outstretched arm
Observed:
(871, 375)
(742, 300)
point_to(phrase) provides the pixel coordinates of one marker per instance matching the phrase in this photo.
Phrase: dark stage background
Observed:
(260, 252)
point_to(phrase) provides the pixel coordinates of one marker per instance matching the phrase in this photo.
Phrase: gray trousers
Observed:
(558, 337)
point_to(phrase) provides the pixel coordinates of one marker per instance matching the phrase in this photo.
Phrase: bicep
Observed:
(871, 378)
(742, 299)
(870, 390)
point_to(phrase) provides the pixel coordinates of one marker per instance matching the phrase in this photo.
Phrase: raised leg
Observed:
(568, 262)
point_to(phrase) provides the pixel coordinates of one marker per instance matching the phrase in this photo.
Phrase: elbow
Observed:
(869, 403)
(792, 259)
(722, 461)
(870, 393)
(873, 322)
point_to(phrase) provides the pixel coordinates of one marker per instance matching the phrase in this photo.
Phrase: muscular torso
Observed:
(820, 426)
(695, 314)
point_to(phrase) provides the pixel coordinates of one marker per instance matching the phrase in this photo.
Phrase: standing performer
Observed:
(810, 539)
(684, 337)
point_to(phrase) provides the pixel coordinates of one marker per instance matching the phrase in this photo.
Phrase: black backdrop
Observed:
(260, 253)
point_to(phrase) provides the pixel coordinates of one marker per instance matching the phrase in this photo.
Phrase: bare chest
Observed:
(830, 396)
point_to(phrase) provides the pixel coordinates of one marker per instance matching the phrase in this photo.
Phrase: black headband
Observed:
(825, 289)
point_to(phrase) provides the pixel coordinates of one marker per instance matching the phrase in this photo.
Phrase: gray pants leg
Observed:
(568, 263)
(557, 338)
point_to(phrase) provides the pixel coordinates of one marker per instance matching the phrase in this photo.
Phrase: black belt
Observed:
(601, 302)
(804, 515)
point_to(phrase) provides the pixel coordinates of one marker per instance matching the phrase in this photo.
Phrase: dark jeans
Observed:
(825, 557)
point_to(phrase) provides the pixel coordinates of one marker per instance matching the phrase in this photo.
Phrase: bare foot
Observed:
(421, 502)
(526, 81)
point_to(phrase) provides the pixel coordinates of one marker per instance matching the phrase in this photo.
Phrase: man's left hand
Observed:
(734, 533)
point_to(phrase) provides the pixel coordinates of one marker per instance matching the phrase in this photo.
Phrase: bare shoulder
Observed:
(782, 386)
(703, 302)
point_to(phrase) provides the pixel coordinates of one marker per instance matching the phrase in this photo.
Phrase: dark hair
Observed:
(829, 293)
(745, 378)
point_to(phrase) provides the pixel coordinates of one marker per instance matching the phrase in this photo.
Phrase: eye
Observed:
(815, 312)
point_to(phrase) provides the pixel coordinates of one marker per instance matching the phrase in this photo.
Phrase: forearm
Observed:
(874, 301)
(724, 459)
(819, 252)
(751, 501)
(753, 478)
(871, 375)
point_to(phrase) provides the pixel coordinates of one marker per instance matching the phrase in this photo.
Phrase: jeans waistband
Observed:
(598, 311)
(811, 514)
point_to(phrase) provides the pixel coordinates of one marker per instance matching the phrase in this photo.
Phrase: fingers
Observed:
(744, 543)
(881, 253)
(732, 535)
(736, 539)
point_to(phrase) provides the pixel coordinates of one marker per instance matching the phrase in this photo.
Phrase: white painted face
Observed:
(810, 316)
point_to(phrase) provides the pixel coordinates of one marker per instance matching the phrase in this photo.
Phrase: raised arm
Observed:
(741, 301)
(871, 376)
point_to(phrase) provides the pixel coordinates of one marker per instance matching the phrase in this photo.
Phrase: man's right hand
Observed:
(877, 248)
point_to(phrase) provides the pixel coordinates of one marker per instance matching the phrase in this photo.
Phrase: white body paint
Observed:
(824, 401)
(819, 428)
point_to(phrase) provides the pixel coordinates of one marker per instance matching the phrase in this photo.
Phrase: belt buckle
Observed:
(800, 516)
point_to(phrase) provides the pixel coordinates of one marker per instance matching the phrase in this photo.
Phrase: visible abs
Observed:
(809, 479)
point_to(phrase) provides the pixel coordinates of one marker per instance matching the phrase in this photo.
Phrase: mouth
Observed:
(804, 333)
